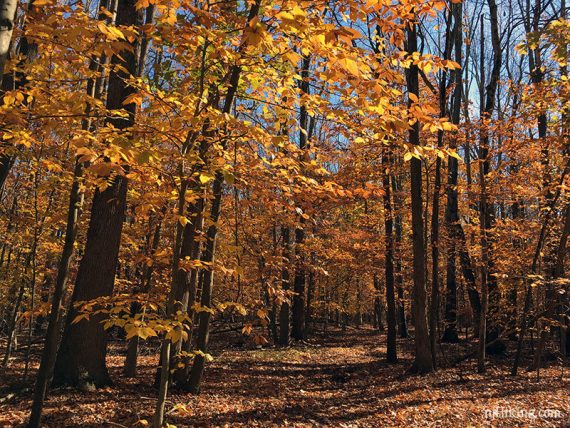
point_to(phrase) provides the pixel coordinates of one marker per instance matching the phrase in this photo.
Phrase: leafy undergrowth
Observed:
(340, 380)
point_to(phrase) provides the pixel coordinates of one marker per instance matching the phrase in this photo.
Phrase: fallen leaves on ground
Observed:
(339, 380)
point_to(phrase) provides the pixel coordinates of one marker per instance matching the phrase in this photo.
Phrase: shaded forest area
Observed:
(284, 213)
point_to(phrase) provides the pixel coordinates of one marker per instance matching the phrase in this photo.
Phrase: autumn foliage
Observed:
(273, 170)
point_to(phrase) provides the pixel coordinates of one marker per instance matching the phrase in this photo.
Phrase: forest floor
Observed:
(339, 380)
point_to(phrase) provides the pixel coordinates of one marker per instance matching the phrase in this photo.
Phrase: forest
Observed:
(284, 213)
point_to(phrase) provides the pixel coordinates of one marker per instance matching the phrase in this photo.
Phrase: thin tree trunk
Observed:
(12, 324)
(47, 362)
(187, 281)
(310, 294)
(130, 367)
(284, 311)
(197, 369)
(423, 362)
(402, 324)
(391, 352)
(452, 209)
(534, 268)
(434, 242)
(298, 309)
(486, 207)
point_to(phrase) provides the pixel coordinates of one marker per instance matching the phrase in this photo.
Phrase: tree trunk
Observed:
(298, 320)
(391, 352)
(434, 237)
(486, 207)
(81, 358)
(12, 81)
(402, 324)
(379, 324)
(310, 295)
(534, 268)
(423, 362)
(12, 323)
(284, 311)
(298, 308)
(130, 367)
(197, 370)
(452, 209)
(47, 362)
(187, 281)
(7, 16)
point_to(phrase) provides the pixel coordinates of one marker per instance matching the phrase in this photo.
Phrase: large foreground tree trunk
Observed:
(83, 351)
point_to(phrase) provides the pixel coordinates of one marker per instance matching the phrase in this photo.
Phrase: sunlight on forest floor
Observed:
(340, 380)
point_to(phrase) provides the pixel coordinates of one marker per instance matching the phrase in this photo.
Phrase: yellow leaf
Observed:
(454, 154)
(285, 16)
(350, 66)
(204, 178)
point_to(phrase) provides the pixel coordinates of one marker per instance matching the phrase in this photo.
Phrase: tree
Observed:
(81, 357)
(451, 213)
(423, 362)
(391, 352)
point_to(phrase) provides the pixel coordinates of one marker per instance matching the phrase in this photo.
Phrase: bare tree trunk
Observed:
(284, 311)
(434, 242)
(423, 362)
(310, 294)
(486, 207)
(298, 320)
(12, 323)
(47, 362)
(452, 209)
(402, 324)
(197, 370)
(7, 16)
(391, 352)
(130, 367)
(187, 281)
(12, 81)
(378, 305)
(559, 273)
